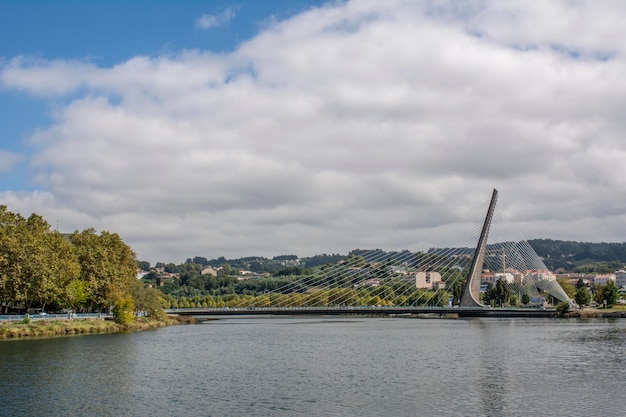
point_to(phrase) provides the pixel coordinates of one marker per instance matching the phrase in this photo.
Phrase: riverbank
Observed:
(52, 328)
(615, 312)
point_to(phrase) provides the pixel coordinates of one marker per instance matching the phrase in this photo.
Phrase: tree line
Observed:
(82, 271)
(384, 295)
(587, 257)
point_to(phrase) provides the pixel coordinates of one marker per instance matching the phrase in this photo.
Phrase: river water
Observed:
(324, 366)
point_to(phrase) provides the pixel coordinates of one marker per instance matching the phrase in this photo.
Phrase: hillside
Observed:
(580, 256)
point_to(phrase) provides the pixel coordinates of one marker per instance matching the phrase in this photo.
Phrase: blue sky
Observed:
(216, 128)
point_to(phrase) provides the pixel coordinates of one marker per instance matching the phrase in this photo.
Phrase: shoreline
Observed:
(594, 313)
(58, 328)
(11, 330)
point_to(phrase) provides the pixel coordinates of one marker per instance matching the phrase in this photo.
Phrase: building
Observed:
(487, 278)
(603, 279)
(428, 280)
(534, 275)
(504, 276)
(620, 279)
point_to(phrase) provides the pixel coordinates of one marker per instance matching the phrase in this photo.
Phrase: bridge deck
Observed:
(378, 311)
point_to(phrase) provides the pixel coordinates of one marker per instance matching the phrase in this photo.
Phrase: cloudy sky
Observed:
(217, 128)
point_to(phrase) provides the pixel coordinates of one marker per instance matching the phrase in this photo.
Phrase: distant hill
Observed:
(580, 256)
(558, 255)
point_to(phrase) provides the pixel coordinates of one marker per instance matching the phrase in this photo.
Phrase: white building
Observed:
(504, 276)
(603, 279)
(535, 275)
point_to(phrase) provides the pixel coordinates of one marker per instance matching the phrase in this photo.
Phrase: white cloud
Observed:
(359, 124)
(209, 21)
(46, 77)
(8, 160)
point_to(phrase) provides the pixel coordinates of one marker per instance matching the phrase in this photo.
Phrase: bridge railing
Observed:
(306, 308)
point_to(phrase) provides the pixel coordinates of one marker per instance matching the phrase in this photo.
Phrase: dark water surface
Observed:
(324, 366)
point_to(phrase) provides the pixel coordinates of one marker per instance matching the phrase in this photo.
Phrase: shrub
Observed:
(123, 310)
(562, 308)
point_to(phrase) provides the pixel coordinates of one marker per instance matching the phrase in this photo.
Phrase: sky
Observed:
(248, 128)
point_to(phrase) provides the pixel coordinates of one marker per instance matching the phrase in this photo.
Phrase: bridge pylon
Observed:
(471, 288)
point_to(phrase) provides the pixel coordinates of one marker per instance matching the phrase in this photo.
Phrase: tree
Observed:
(143, 265)
(123, 310)
(598, 295)
(107, 266)
(501, 293)
(36, 264)
(610, 293)
(562, 309)
(148, 300)
(77, 295)
(582, 296)
(525, 298)
(10, 251)
(488, 296)
(567, 287)
(225, 270)
(580, 283)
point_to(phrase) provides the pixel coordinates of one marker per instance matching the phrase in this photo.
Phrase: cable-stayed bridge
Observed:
(472, 279)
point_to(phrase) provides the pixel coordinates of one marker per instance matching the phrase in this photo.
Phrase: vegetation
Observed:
(497, 295)
(606, 294)
(562, 309)
(89, 271)
(47, 328)
(582, 296)
(567, 287)
(364, 296)
(584, 257)
(83, 271)
(344, 283)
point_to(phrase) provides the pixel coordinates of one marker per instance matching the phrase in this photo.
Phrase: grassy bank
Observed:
(50, 328)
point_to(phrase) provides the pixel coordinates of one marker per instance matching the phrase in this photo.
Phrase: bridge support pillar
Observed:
(471, 288)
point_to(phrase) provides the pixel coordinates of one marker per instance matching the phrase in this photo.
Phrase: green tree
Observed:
(76, 298)
(498, 294)
(598, 294)
(226, 270)
(148, 300)
(582, 296)
(143, 265)
(107, 266)
(10, 252)
(457, 291)
(610, 293)
(439, 298)
(567, 287)
(525, 298)
(562, 309)
(36, 264)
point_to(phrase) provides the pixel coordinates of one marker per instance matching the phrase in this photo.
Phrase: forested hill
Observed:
(580, 256)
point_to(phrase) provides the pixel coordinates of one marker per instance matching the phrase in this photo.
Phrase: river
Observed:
(324, 366)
